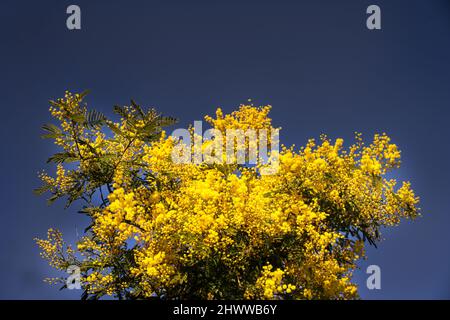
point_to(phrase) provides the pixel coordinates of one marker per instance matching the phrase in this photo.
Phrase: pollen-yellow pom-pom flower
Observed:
(216, 231)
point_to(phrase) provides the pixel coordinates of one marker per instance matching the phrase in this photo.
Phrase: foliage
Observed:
(223, 231)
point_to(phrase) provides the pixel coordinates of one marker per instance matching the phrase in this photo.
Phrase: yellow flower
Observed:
(220, 231)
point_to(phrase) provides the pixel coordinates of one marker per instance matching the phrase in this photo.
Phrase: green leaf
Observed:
(61, 157)
(52, 131)
(121, 112)
(115, 129)
(94, 119)
(137, 108)
(166, 121)
(84, 94)
(53, 199)
(50, 127)
(78, 118)
(42, 189)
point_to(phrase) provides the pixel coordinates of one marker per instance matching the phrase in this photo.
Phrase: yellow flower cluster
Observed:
(270, 285)
(247, 117)
(54, 250)
(226, 231)
(96, 281)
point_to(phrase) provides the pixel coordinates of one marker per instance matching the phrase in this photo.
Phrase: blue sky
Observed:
(314, 61)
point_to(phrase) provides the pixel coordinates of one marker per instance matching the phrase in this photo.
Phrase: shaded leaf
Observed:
(61, 157)
(94, 118)
(42, 189)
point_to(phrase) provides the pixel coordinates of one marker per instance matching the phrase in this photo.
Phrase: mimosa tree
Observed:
(164, 229)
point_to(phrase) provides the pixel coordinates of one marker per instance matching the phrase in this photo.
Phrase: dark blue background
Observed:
(314, 61)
